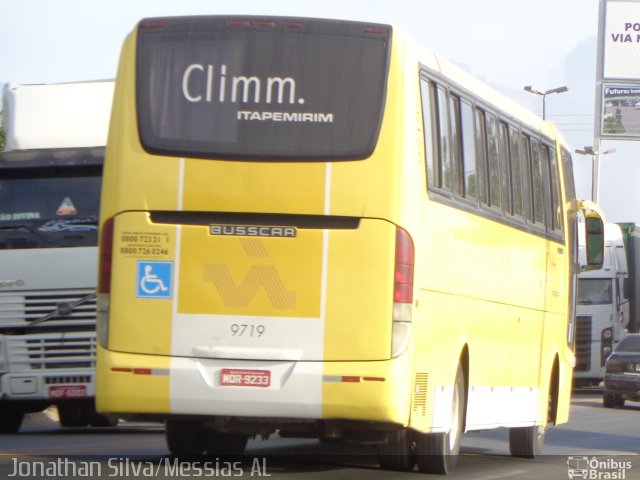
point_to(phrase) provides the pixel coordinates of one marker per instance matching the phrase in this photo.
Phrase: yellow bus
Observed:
(311, 228)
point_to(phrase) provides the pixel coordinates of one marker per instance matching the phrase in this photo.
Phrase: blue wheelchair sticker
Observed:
(154, 279)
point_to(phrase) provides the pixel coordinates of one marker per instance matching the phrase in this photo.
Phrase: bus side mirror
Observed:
(594, 227)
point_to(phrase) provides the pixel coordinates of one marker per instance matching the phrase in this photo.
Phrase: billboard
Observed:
(618, 77)
(620, 109)
(622, 40)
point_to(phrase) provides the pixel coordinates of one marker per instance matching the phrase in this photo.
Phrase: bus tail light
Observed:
(106, 256)
(104, 283)
(402, 292)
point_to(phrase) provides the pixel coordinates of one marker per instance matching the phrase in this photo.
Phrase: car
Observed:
(622, 373)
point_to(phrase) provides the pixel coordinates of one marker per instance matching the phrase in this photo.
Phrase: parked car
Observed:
(622, 373)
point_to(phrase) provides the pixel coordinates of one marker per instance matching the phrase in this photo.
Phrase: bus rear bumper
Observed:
(165, 387)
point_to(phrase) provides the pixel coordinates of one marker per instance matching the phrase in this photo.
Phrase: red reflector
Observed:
(403, 274)
(351, 379)
(292, 25)
(142, 371)
(264, 24)
(376, 31)
(238, 23)
(154, 25)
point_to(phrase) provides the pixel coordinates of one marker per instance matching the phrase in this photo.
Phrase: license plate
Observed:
(68, 391)
(245, 378)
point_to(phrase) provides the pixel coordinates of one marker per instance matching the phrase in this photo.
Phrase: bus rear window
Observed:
(277, 89)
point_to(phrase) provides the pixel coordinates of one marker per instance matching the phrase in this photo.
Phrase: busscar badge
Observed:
(252, 231)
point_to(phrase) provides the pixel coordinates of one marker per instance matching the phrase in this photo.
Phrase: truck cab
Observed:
(603, 308)
(50, 178)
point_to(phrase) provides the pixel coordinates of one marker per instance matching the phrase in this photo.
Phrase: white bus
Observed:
(50, 174)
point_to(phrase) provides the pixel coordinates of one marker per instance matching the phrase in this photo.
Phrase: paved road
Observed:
(601, 440)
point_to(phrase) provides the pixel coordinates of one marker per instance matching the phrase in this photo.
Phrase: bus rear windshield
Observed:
(267, 88)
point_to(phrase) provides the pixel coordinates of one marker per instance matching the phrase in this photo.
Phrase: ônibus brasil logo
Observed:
(597, 468)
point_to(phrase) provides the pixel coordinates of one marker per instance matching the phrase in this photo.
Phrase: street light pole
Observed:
(595, 168)
(544, 94)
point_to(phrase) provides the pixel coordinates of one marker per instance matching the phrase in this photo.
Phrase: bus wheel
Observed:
(399, 453)
(223, 444)
(526, 442)
(438, 452)
(184, 438)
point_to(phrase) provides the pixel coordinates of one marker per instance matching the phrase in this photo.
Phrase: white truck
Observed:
(50, 177)
(603, 309)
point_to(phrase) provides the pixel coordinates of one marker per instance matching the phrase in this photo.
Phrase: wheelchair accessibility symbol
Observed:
(154, 279)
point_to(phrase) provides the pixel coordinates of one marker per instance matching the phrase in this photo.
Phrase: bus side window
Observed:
(545, 158)
(455, 141)
(537, 183)
(481, 157)
(515, 164)
(526, 177)
(495, 195)
(556, 194)
(428, 92)
(443, 167)
(468, 151)
(504, 168)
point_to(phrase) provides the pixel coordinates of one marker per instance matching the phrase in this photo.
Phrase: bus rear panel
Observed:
(251, 261)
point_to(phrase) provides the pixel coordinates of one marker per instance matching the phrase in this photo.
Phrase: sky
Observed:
(506, 43)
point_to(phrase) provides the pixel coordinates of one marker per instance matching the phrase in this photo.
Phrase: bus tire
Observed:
(399, 453)
(526, 442)
(438, 452)
(184, 437)
(223, 444)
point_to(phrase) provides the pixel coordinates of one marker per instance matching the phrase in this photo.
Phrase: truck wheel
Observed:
(399, 453)
(102, 420)
(10, 419)
(438, 452)
(73, 416)
(184, 438)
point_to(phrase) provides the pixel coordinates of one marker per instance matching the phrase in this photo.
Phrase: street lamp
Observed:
(595, 168)
(544, 94)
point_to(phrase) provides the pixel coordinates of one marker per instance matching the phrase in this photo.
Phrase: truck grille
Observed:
(583, 343)
(52, 350)
(19, 309)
